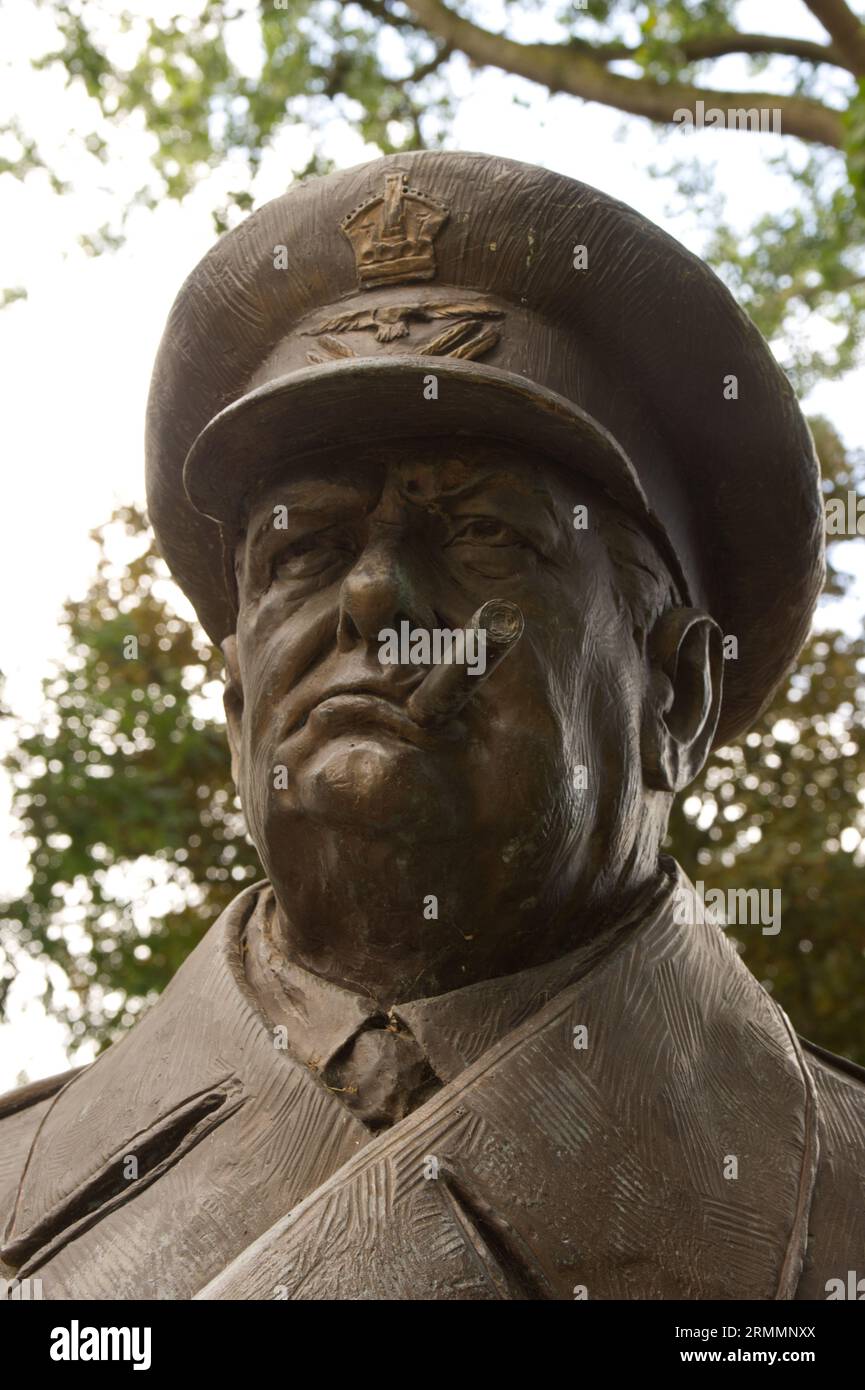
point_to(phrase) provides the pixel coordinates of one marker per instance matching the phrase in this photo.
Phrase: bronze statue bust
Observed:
(444, 450)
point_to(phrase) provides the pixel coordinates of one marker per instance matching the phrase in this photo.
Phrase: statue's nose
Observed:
(381, 591)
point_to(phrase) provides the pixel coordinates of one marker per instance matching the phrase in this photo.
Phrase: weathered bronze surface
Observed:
(472, 1038)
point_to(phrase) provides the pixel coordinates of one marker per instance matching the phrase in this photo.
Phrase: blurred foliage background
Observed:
(216, 83)
(123, 791)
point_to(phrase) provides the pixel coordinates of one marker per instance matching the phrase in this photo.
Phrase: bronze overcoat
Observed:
(723, 1159)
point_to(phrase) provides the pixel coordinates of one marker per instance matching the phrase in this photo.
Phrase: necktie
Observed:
(381, 1074)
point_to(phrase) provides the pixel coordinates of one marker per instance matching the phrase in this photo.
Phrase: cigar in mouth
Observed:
(442, 693)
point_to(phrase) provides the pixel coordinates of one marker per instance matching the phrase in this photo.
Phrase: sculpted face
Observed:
(530, 798)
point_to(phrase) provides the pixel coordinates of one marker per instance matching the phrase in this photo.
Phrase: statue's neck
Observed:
(398, 936)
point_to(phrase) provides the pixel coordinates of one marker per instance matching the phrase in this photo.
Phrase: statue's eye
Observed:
(310, 556)
(486, 530)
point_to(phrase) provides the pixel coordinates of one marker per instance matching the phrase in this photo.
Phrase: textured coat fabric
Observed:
(706, 1155)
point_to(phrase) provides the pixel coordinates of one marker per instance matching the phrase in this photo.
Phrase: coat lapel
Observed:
(182, 1142)
(671, 1157)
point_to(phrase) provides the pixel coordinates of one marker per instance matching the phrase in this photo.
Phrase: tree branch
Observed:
(427, 69)
(562, 69)
(845, 28)
(695, 50)
(810, 294)
(379, 9)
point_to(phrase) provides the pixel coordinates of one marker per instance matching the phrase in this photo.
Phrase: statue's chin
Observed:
(375, 782)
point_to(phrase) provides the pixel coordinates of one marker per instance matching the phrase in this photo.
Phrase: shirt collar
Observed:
(453, 1029)
(319, 1018)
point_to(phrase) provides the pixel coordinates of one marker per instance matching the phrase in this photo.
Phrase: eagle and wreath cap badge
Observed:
(392, 236)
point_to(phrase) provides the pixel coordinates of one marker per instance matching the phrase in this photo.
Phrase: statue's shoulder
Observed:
(24, 1098)
(839, 1085)
(837, 1219)
(835, 1075)
(21, 1113)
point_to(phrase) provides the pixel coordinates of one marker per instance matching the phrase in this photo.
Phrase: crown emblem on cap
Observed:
(392, 234)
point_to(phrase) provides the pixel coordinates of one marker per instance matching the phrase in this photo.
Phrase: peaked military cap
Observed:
(318, 320)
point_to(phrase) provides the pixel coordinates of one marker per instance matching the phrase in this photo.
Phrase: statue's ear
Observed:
(232, 699)
(683, 697)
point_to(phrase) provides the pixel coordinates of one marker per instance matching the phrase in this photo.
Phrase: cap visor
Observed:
(365, 401)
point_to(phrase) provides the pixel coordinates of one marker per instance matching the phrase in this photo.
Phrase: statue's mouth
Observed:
(431, 699)
(391, 691)
(349, 710)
